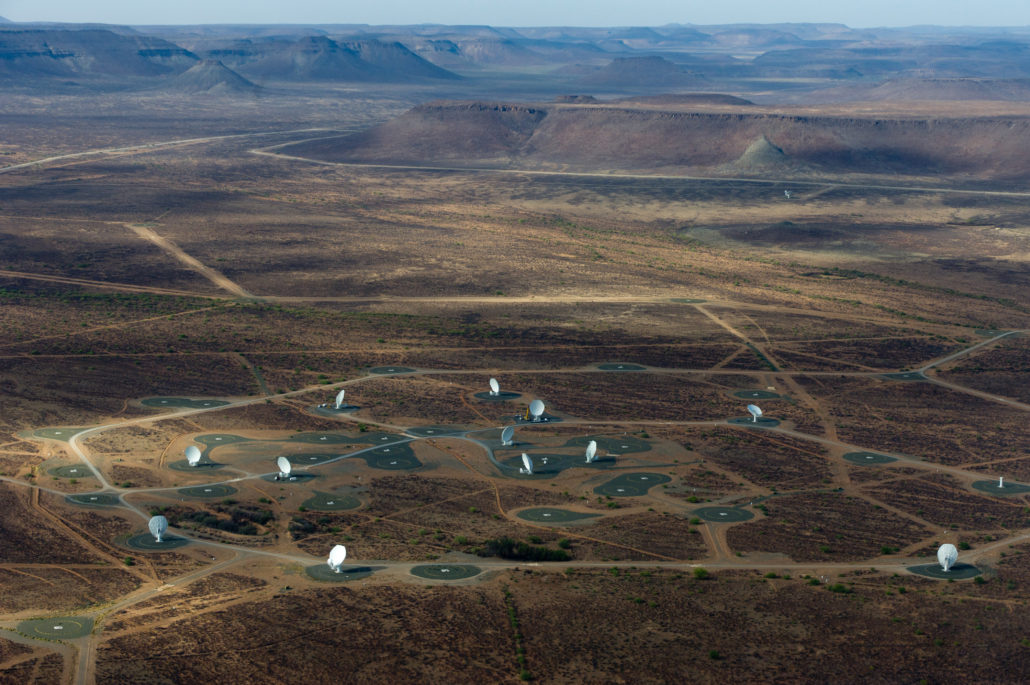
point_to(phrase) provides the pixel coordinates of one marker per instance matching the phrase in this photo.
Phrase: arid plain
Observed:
(180, 271)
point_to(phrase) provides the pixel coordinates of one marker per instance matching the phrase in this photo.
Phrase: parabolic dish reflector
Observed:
(947, 555)
(339, 398)
(591, 450)
(336, 557)
(536, 408)
(527, 462)
(284, 465)
(192, 455)
(158, 525)
(507, 434)
(754, 410)
(495, 387)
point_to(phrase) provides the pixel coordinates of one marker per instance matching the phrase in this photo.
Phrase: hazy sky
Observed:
(856, 13)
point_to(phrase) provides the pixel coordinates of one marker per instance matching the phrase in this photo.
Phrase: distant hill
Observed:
(210, 77)
(457, 53)
(642, 71)
(318, 58)
(29, 55)
(621, 137)
(928, 89)
(687, 99)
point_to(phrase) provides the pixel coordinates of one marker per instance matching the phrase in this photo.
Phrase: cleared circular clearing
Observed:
(550, 515)
(446, 571)
(145, 542)
(181, 402)
(347, 573)
(201, 467)
(207, 491)
(218, 439)
(625, 444)
(57, 628)
(61, 433)
(391, 458)
(757, 395)
(386, 370)
(435, 431)
(762, 422)
(990, 487)
(97, 500)
(295, 477)
(333, 411)
(722, 514)
(959, 571)
(906, 376)
(502, 396)
(687, 300)
(615, 366)
(631, 484)
(71, 471)
(868, 458)
(547, 465)
(327, 501)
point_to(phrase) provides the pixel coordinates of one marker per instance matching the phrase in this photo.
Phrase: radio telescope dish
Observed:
(336, 557)
(755, 412)
(192, 455)
(592, 451)
(158, 525)
(284, 467)
(536, 408)
(947, 555)
(339, 399)
(495, 387)
(527, 464)
(506, 435)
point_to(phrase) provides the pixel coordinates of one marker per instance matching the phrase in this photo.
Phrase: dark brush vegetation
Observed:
(508, 548)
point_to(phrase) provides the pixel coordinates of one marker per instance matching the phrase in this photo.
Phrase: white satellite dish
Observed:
(527, 464)
(495, 387)
(339, 399)
(755, 412)
(158, 525)
(284, 468)
(506, 435)
(536, 408)
(192, 455)
(336, 557)
(947, 555)
(591, 451)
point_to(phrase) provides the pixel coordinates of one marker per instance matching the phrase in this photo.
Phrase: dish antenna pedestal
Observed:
(536, 410)
(506, 436)
(192, 455)
(1001, 481)
(158, 525)
(285, 467)
(339, 399)
(495, 387)
(947, 555)
(527, 465)
(591, 452)
(337, 557)
(755, 412)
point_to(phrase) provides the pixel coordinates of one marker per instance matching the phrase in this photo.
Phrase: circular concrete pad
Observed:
(549, 515)
(906, 376)
(386, 370)
(219, 439)
(294, 478)
(435, 431)
(391, 458)
(722, 514)
(868, 458)
(145, 542)
(959, 571)
(71, 471)
(94, 500)
(446, 571)
(333, 411)
(61, 433)
(502, 396)
(757, 395)
(614, 366)
(181, 403)
(57, 628)
(631, 484)
(547, 465)
(686, 300)
(347, 573)
(990, 487)
(625, 444)
(327, 501)
(201, 467)
(762, 422)
(208, 491)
